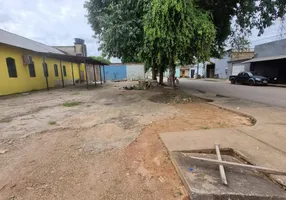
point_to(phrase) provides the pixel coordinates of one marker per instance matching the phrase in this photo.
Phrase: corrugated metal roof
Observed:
(266, 59)
(25, 43)
(239, 59)
(42, 49)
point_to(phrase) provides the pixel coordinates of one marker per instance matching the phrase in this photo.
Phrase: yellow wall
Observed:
(24, 82)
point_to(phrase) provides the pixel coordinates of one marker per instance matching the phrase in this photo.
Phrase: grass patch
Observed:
(173, 96)
(6, 120)
(76, 93)
(205, 127)
(71, 104)
(52, 123)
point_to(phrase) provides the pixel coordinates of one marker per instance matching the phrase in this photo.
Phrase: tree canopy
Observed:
(120, 19)
(247, 14)
(177, 30)
(101, 59)
(162, 31)
(118, 25)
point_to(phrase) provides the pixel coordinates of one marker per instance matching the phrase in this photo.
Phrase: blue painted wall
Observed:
(177, 74)
(114, 72)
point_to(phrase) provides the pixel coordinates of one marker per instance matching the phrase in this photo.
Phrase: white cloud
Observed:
(53, 22)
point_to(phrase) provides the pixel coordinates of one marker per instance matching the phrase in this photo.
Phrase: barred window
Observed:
(11, 67)
(56, 70)
(32, 69)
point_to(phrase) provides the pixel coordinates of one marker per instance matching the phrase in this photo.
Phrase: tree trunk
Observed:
(161, 76)
(172, 73)
(154, 73)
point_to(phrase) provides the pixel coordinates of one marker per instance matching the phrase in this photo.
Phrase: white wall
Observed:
(135, 71)
(221, 65)
(201, 69)
(230, 67)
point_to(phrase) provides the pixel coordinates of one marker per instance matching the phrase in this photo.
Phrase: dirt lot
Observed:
(98, 144)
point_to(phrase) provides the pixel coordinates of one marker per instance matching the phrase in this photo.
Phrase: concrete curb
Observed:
(212, 102)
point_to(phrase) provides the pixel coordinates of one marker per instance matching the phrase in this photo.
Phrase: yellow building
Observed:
(27, 65)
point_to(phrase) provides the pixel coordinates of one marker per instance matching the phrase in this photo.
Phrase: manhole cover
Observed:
(202, 180)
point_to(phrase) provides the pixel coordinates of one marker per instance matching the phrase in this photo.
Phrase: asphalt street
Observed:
(273, 96)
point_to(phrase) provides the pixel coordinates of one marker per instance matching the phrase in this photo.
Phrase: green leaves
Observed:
(177, 30)
(101, 59)
(160, 30)
(121, 27)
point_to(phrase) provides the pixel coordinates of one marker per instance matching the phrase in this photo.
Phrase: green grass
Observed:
(76, 93)
(71, 104)
(205, 127)
(6, 120)
(52, 123)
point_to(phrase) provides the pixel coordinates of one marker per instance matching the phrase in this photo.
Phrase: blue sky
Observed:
(58, 22)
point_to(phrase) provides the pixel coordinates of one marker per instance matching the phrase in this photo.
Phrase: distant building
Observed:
(185, 71)
(228, 64)
(270, 60)
(29, 65)
(197, 69)
(78, 49)
(237, 62)
(218, 67)
(177, 72)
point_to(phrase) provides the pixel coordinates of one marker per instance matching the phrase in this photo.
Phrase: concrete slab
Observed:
(255, 151)
(262, 144)
(203, 181)
(261, 112)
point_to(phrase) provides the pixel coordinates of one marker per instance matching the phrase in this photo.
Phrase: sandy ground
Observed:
(107, 147)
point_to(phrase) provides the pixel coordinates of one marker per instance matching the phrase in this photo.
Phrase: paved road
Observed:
(273, 96)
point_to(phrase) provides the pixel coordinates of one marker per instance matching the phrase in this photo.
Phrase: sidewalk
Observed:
(227, 81)
(262, 144)
(277, 85)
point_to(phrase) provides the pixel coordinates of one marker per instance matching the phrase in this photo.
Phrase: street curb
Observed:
(212, 102)
(274, 85)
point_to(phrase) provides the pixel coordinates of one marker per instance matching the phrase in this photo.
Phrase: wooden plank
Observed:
(94, 75)
(62, 75)
(104, 78)
(86, 75)
(100, 75)
(221, 168)
(72, 74)
(232, 164)
(46, 71)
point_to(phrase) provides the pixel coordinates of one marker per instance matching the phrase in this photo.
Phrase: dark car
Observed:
(248, 78)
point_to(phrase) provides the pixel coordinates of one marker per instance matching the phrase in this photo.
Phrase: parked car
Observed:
(248, 78)
(273, 80)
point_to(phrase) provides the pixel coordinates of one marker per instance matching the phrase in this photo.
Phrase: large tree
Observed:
(119, 25)
(176, 30)
(247, 14)
(101, 59)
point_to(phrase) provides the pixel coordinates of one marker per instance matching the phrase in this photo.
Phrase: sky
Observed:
(58, 22)
(270, 34)
(52, 22)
